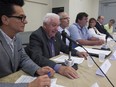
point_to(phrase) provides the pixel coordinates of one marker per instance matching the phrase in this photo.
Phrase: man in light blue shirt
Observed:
(79, 31)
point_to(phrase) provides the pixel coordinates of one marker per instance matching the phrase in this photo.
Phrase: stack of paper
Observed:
(28, 79)
(93, 51)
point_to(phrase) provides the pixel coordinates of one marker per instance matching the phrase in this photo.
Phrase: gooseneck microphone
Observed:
(70, 39)
(108, 35)
(69, 61)
(65, 35)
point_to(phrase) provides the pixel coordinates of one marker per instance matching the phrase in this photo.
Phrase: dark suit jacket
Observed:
(101, 29)
(9, 64)
(38, 48)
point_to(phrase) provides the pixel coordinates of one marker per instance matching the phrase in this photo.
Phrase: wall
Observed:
(108, 9)
(61, 3)
(89, 6)
(35, 11)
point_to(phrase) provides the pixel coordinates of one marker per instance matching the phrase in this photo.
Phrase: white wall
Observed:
(89, 6)
(35, 12)
(108, 9)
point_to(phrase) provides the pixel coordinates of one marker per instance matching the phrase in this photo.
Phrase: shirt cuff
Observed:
(57, 66)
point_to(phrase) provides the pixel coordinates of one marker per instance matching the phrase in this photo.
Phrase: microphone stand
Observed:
(69, 61)
(105, 46)
(71, 40)
(108, 35)
(98, 67)
(113, 39)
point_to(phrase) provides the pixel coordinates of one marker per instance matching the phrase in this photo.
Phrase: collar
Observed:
(7, 38)
(99, 23)
(78, 26)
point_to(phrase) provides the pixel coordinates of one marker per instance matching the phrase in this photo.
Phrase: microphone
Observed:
(65, 35)
(105, 46)
(108, 35)
(69, 61)
(68, 37)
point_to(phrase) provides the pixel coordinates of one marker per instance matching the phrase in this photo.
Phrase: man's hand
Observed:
(68, 72)
(100, 42)
(82, 54)
(46, 70)
(41, 81)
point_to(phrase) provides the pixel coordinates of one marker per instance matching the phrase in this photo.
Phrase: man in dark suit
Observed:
(12, 54)
(46, 42)
(100, 27)
(99, 24)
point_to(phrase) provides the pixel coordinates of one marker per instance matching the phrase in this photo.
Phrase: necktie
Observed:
(63, 38)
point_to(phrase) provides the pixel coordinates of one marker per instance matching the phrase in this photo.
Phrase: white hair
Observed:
(50, 16)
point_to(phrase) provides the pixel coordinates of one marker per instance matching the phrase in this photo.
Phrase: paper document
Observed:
(93, 51)
(95, 85)
(25, 79)
(104, 67)
(113, 56)
(28, 79)
(62, 58)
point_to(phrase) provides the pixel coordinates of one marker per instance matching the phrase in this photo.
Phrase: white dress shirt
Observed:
(9, 41)
(95, 33)
(66, 30)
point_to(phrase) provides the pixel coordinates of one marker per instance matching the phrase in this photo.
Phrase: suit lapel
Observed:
(46, 41)
(6, 48)
(15, 60)
(5, 45)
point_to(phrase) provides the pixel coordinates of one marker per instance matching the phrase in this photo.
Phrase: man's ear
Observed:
(44, 25)
(5, 20)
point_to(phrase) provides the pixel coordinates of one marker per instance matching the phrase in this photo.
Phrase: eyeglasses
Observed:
(65, 18)
(22, 18)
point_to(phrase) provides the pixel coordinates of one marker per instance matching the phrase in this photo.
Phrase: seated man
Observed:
(100, 27)
(12, 55)
(46, 42)
(64, 23)
(79, 32)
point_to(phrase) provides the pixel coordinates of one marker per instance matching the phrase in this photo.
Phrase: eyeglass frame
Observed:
(65, 18)
(22, 18)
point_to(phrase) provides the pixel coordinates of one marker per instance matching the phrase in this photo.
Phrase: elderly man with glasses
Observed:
(64, 23)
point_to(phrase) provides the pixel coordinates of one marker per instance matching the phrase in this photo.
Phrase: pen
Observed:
(49, 74)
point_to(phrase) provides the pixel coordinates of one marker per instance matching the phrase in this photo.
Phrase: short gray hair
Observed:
(50, 16)
(61, 14)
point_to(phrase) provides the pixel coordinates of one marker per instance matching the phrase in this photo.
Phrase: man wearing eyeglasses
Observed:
(12, 55)
(64, 23)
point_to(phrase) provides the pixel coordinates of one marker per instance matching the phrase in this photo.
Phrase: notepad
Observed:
(28, 79)
(93, 52)
(104, 67)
